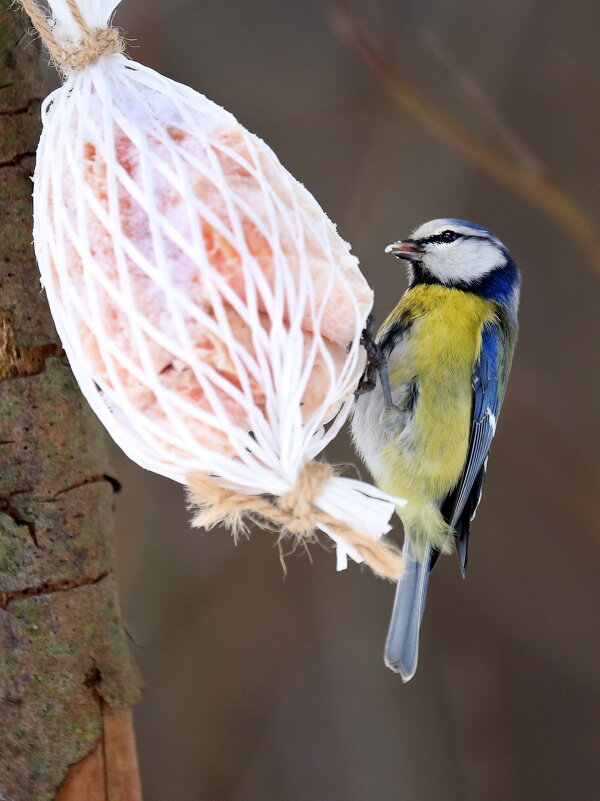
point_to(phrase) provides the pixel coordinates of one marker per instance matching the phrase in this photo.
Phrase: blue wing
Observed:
(460, 506)
(488, 380)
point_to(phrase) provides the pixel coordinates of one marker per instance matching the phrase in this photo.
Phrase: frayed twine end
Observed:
(293, 514)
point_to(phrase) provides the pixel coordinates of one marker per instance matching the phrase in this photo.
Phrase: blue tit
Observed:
(449, 345)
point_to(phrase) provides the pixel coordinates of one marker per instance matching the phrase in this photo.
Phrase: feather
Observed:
(402, 646)
(460, 506)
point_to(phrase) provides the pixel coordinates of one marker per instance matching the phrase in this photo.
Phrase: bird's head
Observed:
(453, 253)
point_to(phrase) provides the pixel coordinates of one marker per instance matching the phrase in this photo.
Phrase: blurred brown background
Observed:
(262, 688)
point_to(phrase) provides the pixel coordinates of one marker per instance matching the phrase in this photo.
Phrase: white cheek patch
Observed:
(464, 260)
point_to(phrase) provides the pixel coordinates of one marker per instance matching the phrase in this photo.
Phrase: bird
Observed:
(448, 346)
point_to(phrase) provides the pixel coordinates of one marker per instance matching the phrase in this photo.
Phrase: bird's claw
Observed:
(376, 364)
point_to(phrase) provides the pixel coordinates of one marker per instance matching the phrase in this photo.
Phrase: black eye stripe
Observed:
(447, 237)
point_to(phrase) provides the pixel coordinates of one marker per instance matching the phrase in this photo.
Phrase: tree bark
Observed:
(66, 678)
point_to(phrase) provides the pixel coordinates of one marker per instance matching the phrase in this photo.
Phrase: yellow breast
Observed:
(426, 459)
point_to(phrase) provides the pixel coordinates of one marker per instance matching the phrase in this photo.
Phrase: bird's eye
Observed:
(443, 238)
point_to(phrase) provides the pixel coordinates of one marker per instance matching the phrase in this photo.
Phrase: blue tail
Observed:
(402, 645)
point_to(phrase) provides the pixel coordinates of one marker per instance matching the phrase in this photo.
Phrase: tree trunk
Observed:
(66, 679)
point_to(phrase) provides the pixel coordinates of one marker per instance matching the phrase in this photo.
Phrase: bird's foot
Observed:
(376, 364)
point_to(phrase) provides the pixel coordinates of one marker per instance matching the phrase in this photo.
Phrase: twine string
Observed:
(295, 512)
(93, 42)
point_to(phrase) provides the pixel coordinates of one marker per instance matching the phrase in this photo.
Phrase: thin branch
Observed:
(474, 91)
(519, 179)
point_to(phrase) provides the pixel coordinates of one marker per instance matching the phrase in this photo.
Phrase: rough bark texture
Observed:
(66, 678)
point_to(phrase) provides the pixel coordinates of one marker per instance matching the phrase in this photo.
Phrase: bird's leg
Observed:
(376, 363)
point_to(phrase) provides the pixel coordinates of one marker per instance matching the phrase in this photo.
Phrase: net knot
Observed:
(297, 504)
(92, 43)
(295, 512)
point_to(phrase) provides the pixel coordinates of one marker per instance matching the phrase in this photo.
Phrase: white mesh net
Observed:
(209, 309)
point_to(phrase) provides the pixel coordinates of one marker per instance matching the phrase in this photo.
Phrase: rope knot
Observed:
(298, 503)
(294, 512)
(94, 43)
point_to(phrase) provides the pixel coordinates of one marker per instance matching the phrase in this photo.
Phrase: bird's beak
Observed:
(405, 249)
